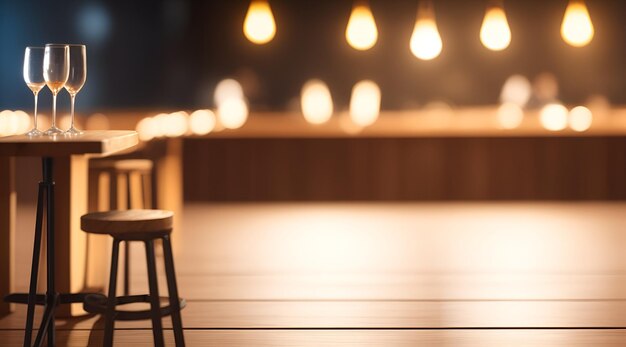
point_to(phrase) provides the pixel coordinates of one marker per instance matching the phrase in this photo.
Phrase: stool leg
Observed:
(127, 244)
(127, 268)
(109, 324)
(177, 323)
(155, 306)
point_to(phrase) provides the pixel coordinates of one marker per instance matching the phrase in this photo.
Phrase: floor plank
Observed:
(361, 338)
(442, 274)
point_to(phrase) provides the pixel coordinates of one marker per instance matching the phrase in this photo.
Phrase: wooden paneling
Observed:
(387, 169)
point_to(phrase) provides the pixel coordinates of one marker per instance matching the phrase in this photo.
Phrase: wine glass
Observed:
(76, 80)
(56, 71)
(33, 76)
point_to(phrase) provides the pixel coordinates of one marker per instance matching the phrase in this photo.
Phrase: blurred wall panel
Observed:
(405, 169)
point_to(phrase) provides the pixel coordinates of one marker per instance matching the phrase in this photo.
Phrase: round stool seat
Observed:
(122, 165)
(129, 224)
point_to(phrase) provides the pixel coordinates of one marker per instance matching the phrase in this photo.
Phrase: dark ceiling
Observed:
(171, 53)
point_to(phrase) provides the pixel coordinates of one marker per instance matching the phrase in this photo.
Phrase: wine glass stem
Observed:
(72, 98)
(54, 109)
(35, 114)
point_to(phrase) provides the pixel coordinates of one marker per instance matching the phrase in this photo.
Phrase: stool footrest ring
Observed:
(97, 303)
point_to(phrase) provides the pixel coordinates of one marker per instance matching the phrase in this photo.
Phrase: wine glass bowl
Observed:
(76, 80)
(33, 76)
(56, 69)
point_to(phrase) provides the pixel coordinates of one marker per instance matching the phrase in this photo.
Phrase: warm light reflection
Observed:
(147, 128)
(233, 113)
(14, 123)
(361, 32)
(316, 102)
(97, 121)
(553, 117)
(5, 120)
(160, 121)
(259, 26)
(516, 90)
(64, 121)
(22, 122)
(227, 89)
(546, 87)
(174, 124)
(437, 114)
(426, 42)
(510, 115)
(202, 122)
(577, 29)
(580, 118)
(495, 33)
(365, 103)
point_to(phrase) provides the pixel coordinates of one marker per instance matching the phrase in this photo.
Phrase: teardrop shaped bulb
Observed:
(495, 33)
(577, 29)
(259, 26)
(361, 32)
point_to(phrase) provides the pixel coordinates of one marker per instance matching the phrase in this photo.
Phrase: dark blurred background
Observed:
(171, 53)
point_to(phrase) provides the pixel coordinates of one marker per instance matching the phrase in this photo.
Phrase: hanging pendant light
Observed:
(259, 26)
(577, 28)
(495, 33)
(361, 32)
(426, 42)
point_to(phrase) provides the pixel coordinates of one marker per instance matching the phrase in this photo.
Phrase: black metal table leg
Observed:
(45, 198)
(51, 294)
(34, 272)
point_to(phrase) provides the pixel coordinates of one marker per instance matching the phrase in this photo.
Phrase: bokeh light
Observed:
(553, 117)
(365, 103)
(580, 118)
(233, 113)
(361, 32)
(510, 115)
(259, 26)
(202, 122)
(316, 102)
(495, 33)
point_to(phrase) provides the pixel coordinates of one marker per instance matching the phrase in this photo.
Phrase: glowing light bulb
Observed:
(259, 26)
(202, 122)
(233, 113)
(361, 32)
(495, 33)
(175, 124)
(23, 121)
(425, 41)
(227, 89)
(553, 117)
(5, 120)
(510, 115)
(316, 102)
(148, 128)
(580, 118)
(516, 90)
(160, 122)
(577, 29)
(365, 103)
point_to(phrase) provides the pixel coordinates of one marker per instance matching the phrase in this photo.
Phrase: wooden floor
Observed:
(346, 274)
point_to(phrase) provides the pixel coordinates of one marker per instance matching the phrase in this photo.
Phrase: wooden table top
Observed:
(101, 142)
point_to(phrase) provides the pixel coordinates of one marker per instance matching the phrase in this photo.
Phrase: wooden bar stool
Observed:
(145, 226)
(136, 177)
